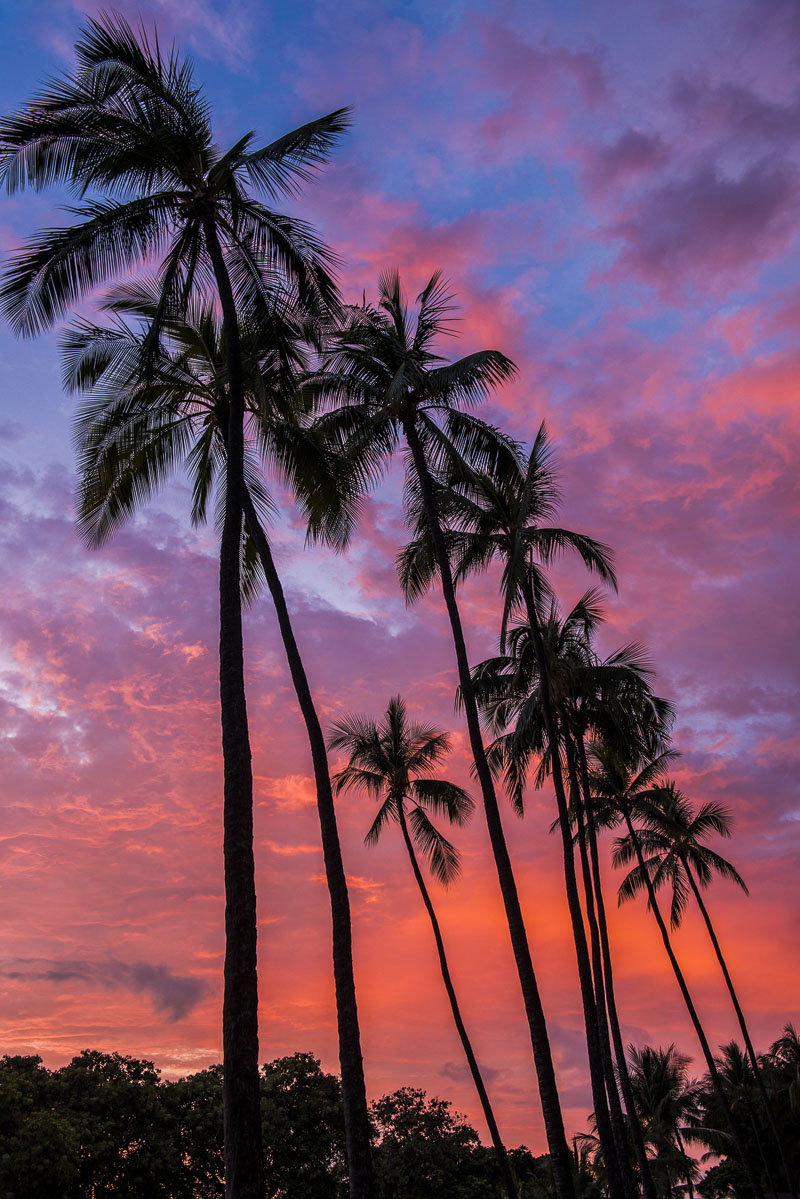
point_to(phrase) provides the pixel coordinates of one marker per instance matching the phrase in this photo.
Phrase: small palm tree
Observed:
(668, 1105)
(785, 1056)
(386, 384)
(623, 776)
(672, 836)
(741, 1086)
(781, 1070)
(392, 761)
(129, 131)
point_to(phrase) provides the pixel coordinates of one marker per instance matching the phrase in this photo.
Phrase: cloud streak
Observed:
(173, 995)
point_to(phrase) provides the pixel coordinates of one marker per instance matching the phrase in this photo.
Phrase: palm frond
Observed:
(447, 799)
(282, 166)
(386, 812)
(442, 857)
(60, 266)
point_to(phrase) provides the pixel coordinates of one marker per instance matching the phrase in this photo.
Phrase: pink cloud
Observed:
(733, 111)
(536, 85)
(632, 155)
(707, 231)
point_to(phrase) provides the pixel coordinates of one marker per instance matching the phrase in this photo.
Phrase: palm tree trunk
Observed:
(687, 998)
(500, 1149)
(618, 1176)
(240, 1084)
(637, 1136)
(614, 1105)
(751, 1053)
(540, 1042)
(354, 1094)
(759, 1140)
(682, 1147)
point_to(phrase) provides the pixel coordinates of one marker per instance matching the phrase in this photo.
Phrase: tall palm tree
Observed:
(392, 761)
(621, 779)
(129, 131)
(134, 427)
(386, 384)
(672, 836)
(509, 517)
(602, 698)
(587, 692)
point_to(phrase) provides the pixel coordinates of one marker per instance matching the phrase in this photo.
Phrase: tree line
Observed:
(224, 347)
(108, 1124)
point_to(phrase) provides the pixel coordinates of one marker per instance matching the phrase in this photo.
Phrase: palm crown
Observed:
(671, 835)
(503, 514)
(392, 761)
(381, 376)
(129, 131)
(668, 1104)
(136, 425)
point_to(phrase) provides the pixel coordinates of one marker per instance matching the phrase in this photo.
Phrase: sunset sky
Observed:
(614, 192)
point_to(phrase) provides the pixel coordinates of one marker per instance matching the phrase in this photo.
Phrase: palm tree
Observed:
(739, 1080)
(603, 688)
(668, 1105)
(385, 383)
(588, 1167)
(785, 1058)
(132, 429)
(392, 761)
(619, 781)
(672, 837)
(589, 692)
(509, 517)
(130, 129)
(602, 698)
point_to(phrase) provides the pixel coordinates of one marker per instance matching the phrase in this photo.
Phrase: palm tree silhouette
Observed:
(668, 1105)
(508, 516)
(785, 1056)
(739, 1080)
(622, 775)
(392, 761)
(130, 129)
(587, 692)
(385, 383)
(672, 836)
(135, 426)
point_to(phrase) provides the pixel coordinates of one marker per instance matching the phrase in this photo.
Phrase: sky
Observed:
(614, 193)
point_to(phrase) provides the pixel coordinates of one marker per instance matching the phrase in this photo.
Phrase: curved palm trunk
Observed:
(687, 998)
(354, 1095)
(616, 1173)
(494, 1132)
(637, 1136)
(240, 1084)
(751, 1053)
(548, 1092)
(615, 1107)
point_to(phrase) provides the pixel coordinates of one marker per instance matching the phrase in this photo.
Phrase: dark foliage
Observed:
(108, 1125)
